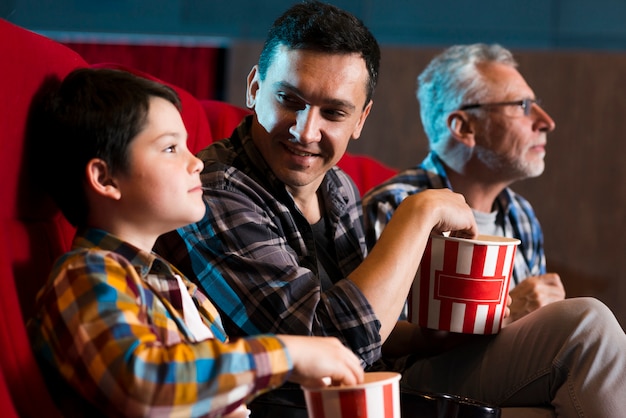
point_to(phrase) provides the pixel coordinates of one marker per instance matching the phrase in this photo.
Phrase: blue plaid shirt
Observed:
(518, 218)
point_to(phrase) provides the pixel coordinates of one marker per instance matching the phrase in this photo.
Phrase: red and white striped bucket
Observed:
(377, 397)
(462, 284)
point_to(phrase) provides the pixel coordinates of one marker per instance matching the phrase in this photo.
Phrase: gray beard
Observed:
(513, 170)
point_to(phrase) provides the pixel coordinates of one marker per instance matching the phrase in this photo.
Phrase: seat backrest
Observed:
(33, 233)
(223, 118)
(366, 172)
(7, 409)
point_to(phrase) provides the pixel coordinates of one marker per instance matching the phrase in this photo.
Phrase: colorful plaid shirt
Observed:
(514, 212)
(254, 252)
(110, 322)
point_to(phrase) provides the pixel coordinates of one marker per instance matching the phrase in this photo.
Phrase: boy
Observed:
(125, 329)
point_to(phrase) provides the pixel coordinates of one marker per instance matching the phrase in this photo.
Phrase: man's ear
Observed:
(252, 87)
(361, 121)
(100, 180)
(461, 127)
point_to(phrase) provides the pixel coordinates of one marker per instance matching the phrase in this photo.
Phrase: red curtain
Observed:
(196, 69)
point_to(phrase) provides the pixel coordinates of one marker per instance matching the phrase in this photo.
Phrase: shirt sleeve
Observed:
(376, 216)
(379, 204)
(243, 254)
(529, 231)
(121, 347)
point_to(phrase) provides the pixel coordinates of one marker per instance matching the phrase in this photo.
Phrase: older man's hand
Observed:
(533, 293)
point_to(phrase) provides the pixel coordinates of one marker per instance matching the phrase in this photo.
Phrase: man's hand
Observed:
(533, 293)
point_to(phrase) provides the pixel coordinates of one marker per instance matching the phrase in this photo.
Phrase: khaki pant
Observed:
(570, 354)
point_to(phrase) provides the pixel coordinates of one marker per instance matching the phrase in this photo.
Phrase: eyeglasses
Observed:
(526, 104)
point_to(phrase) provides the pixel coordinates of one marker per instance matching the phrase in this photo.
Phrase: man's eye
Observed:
(287, 99)
(334, 114)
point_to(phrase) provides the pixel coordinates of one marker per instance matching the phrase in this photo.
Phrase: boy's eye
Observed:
(171, 149)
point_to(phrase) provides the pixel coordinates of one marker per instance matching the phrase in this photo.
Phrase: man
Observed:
(486, 131)
(119, 328)
(282, 244)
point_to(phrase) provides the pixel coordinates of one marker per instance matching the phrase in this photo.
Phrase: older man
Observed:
(486, 131)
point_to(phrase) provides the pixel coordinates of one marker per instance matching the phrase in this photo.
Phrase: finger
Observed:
(343, 377)
(316, 383)
(551, 278)
(355, 372)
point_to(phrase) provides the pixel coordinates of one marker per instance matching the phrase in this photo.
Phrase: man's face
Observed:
(508, 142)
(310, 105)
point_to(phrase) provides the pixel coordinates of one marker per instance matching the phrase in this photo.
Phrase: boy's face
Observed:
(308, 108)
(161, 190)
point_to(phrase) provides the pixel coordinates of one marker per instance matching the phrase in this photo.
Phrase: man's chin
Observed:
(537, 170)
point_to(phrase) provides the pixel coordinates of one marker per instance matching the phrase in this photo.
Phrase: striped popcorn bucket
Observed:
(462, 284)
(377, 397)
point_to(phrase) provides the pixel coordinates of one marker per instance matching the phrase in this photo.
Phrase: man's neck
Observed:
(309, 203)
(480, 195)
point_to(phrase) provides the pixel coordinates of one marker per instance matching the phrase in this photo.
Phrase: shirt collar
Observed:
(433, 164)
(145, 262)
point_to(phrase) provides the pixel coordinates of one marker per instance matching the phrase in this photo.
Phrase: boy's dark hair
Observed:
(94, 113)
(317, 26)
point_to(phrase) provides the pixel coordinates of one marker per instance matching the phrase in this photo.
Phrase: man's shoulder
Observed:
(222, 164)
(406, 182)
(83, 262)
(342, 180)
(219, 151)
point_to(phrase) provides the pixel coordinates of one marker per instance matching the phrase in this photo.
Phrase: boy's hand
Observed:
(318, 361)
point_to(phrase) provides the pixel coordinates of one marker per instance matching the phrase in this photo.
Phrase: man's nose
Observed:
(307, 126)
(543, 119)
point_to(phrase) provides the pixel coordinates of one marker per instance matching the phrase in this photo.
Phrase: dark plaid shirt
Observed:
(254, 252)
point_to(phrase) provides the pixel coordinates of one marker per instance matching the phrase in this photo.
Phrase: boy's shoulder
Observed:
(97, 251)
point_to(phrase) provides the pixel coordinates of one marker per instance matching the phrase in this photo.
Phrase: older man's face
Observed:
(509, 142)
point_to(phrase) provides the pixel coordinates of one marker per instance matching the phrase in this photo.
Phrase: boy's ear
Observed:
(461, 127)
(100, 180)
